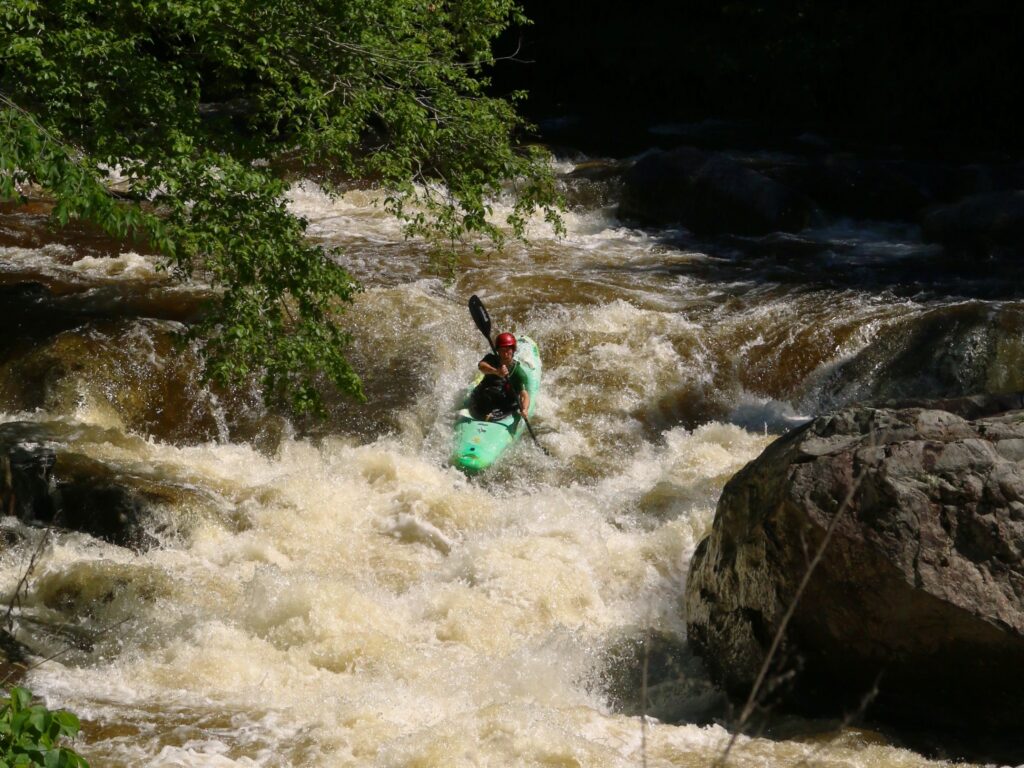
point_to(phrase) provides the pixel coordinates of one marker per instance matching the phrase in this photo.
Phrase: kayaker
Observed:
(504, 382)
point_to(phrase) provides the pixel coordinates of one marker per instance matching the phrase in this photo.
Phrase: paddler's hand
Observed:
(490, 370)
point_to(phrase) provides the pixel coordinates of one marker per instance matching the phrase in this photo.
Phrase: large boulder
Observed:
(709, 194)
(592, 184)
(921, 586)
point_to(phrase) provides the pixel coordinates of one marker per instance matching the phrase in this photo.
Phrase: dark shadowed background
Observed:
(940, 76)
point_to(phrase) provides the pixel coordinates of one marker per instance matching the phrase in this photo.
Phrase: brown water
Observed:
(343, 598)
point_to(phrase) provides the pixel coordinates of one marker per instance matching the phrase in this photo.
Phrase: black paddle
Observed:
(483, 322)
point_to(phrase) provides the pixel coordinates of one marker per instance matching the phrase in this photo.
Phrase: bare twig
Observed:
(23, 582)
(643, 700)
(8, 620)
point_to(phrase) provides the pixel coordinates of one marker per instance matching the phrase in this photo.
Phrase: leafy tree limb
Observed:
(197, 102)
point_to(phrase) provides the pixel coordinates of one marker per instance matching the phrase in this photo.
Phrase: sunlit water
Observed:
(349, 600)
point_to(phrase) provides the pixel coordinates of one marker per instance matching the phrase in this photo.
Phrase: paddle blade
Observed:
(480, 317)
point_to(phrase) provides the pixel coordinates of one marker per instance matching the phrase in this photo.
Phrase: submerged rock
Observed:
(920, 590)
(137, 376)
(947, 352)
(709, 194)
(97, 330)
(985, 224)
(43, 480)
(847, 185)
(592, 184)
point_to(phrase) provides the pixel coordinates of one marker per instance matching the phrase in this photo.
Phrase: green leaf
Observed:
(28, 733)
(20, 698)
(39, 719)
(60, 758)
(19, 721)
(68, 722)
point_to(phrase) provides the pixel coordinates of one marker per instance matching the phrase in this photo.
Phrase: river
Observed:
(337, 596)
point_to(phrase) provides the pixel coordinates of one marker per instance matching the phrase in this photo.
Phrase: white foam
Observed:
(354, 601)
(59, 260)
(125, 266)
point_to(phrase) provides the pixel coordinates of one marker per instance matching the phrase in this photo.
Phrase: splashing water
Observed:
(350, 600)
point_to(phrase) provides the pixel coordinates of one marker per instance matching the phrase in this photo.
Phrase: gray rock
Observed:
(921, 586)
(658, 189)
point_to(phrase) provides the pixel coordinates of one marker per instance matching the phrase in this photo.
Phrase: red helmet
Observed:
(505, 340)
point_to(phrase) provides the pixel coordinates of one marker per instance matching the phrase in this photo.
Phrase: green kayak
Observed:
(478, 444)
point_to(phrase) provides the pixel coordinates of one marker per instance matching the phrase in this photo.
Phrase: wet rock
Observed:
(37, 307)
(984, 224)
(137, 375)
(44, 481)
(26, 292)
(722, 134)
(106, 341)
(952, 351)
(29, 225)
(592, 184)
(921, 587)
(969, 407)
(846, 185)
(597, 170)
(32, 312)
(709, 194)
(658, 189)
(655, 674)
(731, 198)
(984, 177)
(14, 659)
(26, 468)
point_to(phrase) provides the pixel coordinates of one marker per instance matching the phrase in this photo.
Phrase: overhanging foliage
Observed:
(195, 102)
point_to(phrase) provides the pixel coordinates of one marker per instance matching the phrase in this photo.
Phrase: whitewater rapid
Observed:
(344, 598)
